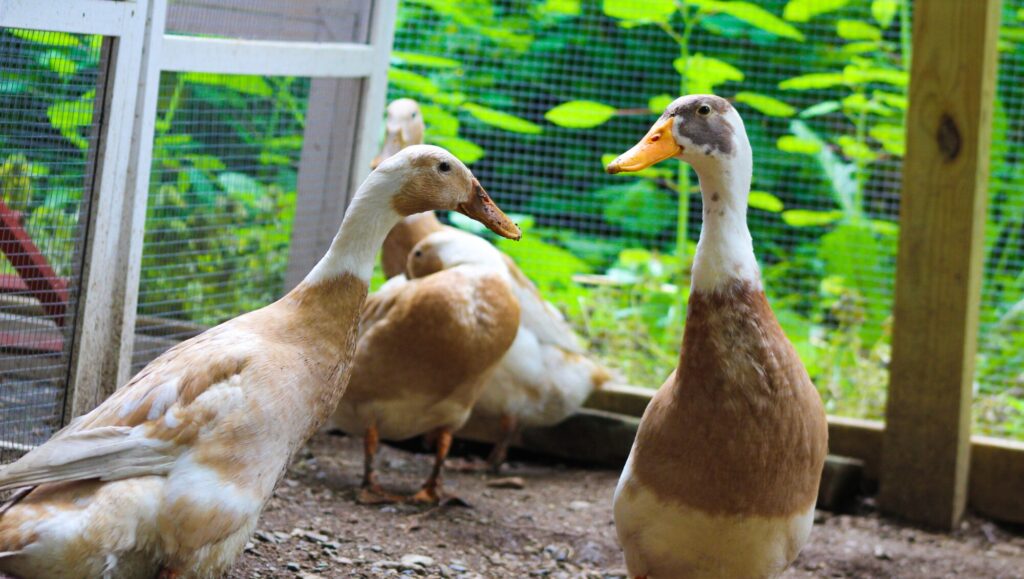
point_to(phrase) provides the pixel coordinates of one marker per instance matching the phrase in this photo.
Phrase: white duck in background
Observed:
(168, 476)
(723, 476)
(547, 374)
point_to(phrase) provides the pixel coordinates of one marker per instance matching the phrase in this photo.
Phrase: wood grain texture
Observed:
(942, 216)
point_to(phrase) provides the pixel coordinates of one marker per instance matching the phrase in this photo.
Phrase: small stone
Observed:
(250, 547)
(881, 554)
(292, 566)
(421, 560)
(332, 545)
(376, 548)
(509, 482)
(579, 505)
(458, 568)
(315, 537)
(263, 536)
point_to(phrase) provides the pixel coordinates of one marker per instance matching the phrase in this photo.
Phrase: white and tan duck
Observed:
(168, 476)
(427, 347)
(723, 475)
(547, 374)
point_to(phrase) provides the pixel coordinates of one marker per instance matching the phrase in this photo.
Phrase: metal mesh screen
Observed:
(48, 88)
(297, 20)
(539, 95)
(221, 202)
(999, 402)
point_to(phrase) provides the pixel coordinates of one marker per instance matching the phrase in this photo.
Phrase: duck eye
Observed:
(418, 253)
(444, 167)
(704, 110)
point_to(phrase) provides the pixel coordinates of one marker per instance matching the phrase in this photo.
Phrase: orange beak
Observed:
(484, 210)
(656, 146)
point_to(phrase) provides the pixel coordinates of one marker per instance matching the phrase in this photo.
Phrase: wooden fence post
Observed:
(942, 217)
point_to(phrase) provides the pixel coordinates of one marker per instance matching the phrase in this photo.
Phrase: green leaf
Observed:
(10, 86)
(765, 104)
(704, 73)
(412, 82)
(765, 201)
(427, 60)
(865, 74)
(561, 7)
(240, 184)
(804, 10)
(857, 30)
(791, 144)
(56, 39)
(250, 85)
(884, 11)
(467, 151)
(808, 218)
(658, 103)
(61, 64)
(891, 136)
(643, 11)
(856, 150)
(638, 207)
(814, 80)
(753, 15)
(439, 121)
(822, 108)
(580, 114)
(502, 120)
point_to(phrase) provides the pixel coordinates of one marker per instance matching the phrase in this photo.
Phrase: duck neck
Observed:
(366, 224)
(725, 252)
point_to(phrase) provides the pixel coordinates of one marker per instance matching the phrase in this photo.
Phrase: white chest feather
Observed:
(664, 540)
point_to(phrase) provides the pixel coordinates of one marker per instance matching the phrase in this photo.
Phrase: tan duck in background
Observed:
(168, 476)
(723, 476)
(547, 374)
(426, 349)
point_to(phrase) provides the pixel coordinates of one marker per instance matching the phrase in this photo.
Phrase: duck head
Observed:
(449, 248)
(701, 130)
(426, 177)
(404, 127)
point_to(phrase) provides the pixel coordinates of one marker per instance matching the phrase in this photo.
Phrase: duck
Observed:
(427, 346)
(722, 478)
(547, 374)
(167, 477)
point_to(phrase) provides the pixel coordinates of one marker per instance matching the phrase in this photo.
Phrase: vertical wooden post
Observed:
(96, 362)
(938, 283)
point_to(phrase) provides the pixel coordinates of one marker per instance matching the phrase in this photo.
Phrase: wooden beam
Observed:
(996, 470)
(938, 283)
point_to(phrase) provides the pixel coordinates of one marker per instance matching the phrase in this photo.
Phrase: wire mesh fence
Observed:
(221, 202)
(537, 96)
(48, 136)
(999, 406)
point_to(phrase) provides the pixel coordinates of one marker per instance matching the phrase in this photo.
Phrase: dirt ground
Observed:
(559, 525)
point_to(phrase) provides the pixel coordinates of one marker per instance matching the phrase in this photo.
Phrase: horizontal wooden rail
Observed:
(268, 57)
(101, 17)
(996, 469)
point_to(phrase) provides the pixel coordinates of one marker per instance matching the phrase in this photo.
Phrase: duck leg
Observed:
(431, 492)
(500, 451)
(371, 491)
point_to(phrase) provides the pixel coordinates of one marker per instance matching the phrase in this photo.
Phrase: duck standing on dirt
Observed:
(547, 374)
(168, 476)
(723, 475)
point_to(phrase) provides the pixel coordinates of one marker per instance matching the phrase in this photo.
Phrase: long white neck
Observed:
(367, 222)
(725, 252)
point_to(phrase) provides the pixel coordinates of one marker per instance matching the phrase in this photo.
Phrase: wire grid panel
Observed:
(294, 20)
(999, 399)
(48, 86)
(539, 96)
(221, 202)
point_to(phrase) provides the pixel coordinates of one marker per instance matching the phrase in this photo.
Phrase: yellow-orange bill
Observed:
(657, 145)
(484, 210)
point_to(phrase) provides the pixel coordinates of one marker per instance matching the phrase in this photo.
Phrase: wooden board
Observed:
(938, 281)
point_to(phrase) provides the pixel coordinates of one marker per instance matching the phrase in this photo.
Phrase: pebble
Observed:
(421, 560)
(579, 505)
(292, 566)
(510, 482)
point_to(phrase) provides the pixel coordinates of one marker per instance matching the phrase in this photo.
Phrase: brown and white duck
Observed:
(168, 476)
(547, 374)
(427, 347)
(723, 475)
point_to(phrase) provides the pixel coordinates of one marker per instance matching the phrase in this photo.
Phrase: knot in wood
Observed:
(948, 137)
